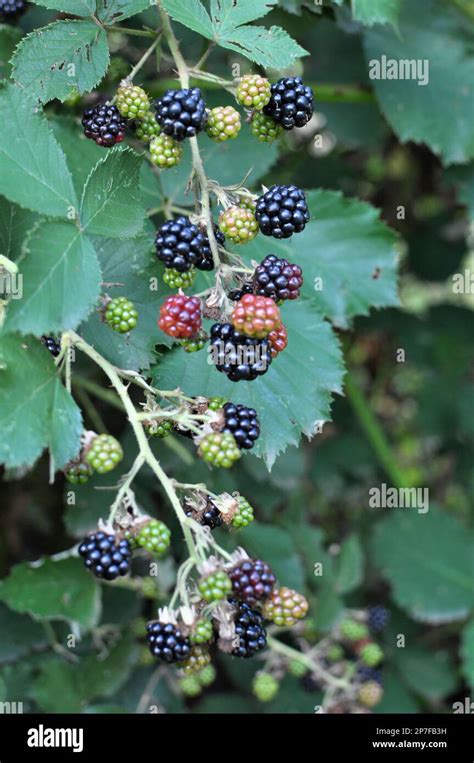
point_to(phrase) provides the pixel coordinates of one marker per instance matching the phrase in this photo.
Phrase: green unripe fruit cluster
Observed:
(223, 123)
(176, 280)
(154, 537)
(265, 687)
(219, 449)
(104, 453)
(215, 586)
(253, 91)
(147, 128)
(238, 224)
(132, 101)
(244, 514)
(264, 128)
(79, 473)
(165, 152)
(120, 315)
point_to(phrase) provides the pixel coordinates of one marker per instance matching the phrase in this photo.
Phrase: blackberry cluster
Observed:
(104, 124)
(238, 356)
(242, 422)
(104, 556)
(210, 517)
(180, 316)
(78, 473)
(291, 103)
(252, 581)
(205, 260)
(277, 278)
(11, 9)
(378, 618)
(219, 449)
(250, 630)
(236, 294)
(369, 674)
(167, 642)
(282, 211)
(181, 113)
(52, 345)
(179, 244)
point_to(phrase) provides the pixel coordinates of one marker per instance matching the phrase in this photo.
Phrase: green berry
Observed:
(190, 686)
(335, 653)
(198, 659)
(238, 224)
(247, 202)
(244, 514)
(285, 606)
(265, 128)
(223, 123)
(147, 128)
(353, 630)
(128, 535)
(120, 315)
(104, 453)
(165, 152)
(371, 654)
(194, 344)
(214, 403)
(202, 631)
(215, 586)
(265, 687)
(219, 449)
(157, 428)
(154, 537)
(78, 473)
(132, 101)
(370, 693)
(176, 280)
(253, 91)
(207, 675)
(297, 669)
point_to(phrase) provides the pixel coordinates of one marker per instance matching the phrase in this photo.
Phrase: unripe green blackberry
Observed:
(194, 344)
(165, 152)
(285, 606)
(238, 224)
(265, 129)
(214, 403)
(335, 653)
(223, 123)
(190, 686)
(120, 315)
(104, 453)
(155, 537)
(371, 654)
(176, 280)
(78, 473)
(248, 202)
(157, 428)
(147, 128)
(219, 449)
(244, 514)
(198, 659)
(265, 686)
(297, 669)
(132, 101)
(353, 630)
(207, 675)
(253, 91)
(370, 693)
(202, 631)
(215, 586)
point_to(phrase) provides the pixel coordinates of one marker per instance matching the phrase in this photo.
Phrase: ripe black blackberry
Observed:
(167, 642)
(104, 124)
(250, 630)
(11, 9)
(282, 211)
(240, 357)
(179, 243)
(291, 103)
(364, 673)
(209, 517)
(236, 294)
(104, 556)
(205, 261)
(378, 618)
(52, 345)
(252, 580)
(277, 278)
(181, 113)
(242, 422)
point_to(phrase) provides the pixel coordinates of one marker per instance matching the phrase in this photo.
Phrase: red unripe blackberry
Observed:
(256, 316)
(278, 340)
(180, 316)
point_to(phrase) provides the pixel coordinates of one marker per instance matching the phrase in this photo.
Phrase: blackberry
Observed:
(215, 403)
(378, 618)
(285, 607)
(154, 537)
(236, 294)
(176, 280)
(193, 345)
(369, 674)
(207, 675)
(165, 152)
(210, 517)
(282, 211)
(198, 659)
(147, 127)
(265, 687)
(104, 453)
(121, 315)
(11, 9)
(244, 514)
(180, 316)
(157, 428)
(277, 278)
(353, 630)
(205, 260)
(167, 642)
(370, 693)
(132, 101)
(219, 449)
(52, 345)
(238, 224)
(252, 580)
(265, 129)
(215, 586)
(179, 243)
(240, 357)
(250, 630)
(243, 423)
(253, 91)
(256, 316)
(278, 340)
(190, 686)
(181, 113)
(371, 654)
(223, 123)
(291, 103)
(202, 631)
(104, 124)
(104, 556)
(78, 473)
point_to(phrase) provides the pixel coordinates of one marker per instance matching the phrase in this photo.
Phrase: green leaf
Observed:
(272, 48)
(111, 202)
(427, 558)
(10, 36)
(74, 7)
(463, 179)
(99, 677)
(372, 12)
(34, 172)
(349, 569)
(395, 699)
(31, 389)
(277, 548)
(427, 673)
(49, 62)
(434, 32)
(347, 254)
(310, 369)
(20, 635)
(191, 14)
(15, 225)
(41, 591)
(467, 652)
(112, 11)
(228, 14)
(61, 281)
(82, 154)
(56, 688)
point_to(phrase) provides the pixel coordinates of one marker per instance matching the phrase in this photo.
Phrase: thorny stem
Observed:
(144, 58)
(125, 486)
